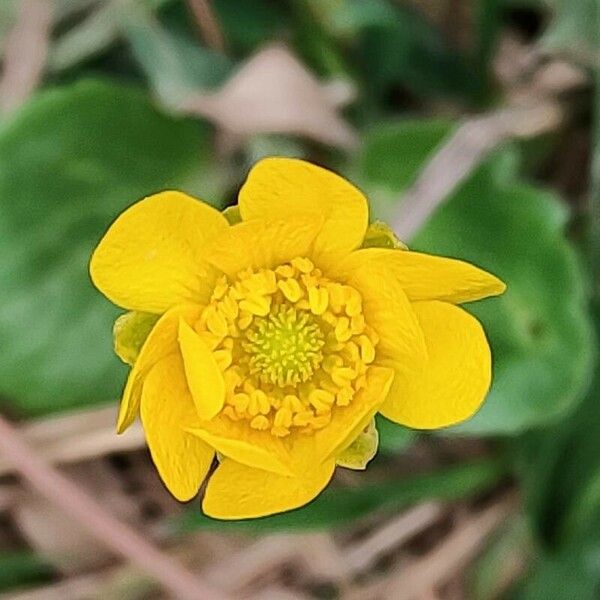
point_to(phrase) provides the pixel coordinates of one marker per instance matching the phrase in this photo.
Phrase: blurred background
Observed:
(470, 126)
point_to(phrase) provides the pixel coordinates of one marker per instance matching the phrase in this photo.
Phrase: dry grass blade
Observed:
(25, 53)
(74, 589)
(424, 575)
(83, 509)
(7, 496)
(315, 555)
(452, 555)
(242, 568)
(277, 593)
(463, 152)
(392, 534)
(322, 558)
(77, 436)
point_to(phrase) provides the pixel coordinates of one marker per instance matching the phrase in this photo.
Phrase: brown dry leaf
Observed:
(274, 93)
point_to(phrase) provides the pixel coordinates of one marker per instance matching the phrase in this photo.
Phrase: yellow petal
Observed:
(130, 332)
(264, 244)
(457, 376)
(161, 341)
(153, 256)
(182, 460)
(248, 446)
(236, 491)
(362, 450)
(204, 377)
(281, 188)
(244, 451)
(388, 311)
(428, 277)
(349, 421)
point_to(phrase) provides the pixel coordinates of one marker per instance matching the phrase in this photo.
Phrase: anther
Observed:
(318, 298)
(260, 422)
(291, 289)
(215, 321)
(257, 305)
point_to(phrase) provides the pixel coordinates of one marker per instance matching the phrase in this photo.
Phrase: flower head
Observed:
(270, 335)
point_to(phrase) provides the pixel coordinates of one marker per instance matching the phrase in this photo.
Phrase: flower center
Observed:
(284, 347)
(293, 346)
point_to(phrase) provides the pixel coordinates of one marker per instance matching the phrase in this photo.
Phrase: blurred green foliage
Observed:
(21, 569)
(70, 161)
(106, 130)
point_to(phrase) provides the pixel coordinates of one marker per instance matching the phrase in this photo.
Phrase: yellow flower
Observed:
(273, 341)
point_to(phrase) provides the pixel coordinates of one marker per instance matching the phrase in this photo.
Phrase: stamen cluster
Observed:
(292, 345)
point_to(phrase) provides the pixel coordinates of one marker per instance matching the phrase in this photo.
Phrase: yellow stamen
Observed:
(215, 321)
(260, 422)
(318, 298)
(293, 346)
(257, 305)
(291, 289)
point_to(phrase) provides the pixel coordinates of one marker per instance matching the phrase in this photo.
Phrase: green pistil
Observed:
(284, 348)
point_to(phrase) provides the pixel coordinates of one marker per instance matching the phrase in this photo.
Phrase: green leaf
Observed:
(22, 568)
(539, 330)
(408, 50)
(393, 438)
(560, 469)
(247, 24)
(574, 29)
(504, 553)
(336, 506)
(70, 161)
(393, 154)
(489, 24)
(559, 577)
(95, 34)
(349, 17)
(175, 65)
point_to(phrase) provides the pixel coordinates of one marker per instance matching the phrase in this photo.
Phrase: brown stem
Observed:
(208, 24)
(83, 509)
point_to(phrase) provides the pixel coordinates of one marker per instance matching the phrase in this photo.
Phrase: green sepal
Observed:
(232, 214)
(381, 235)
(130, 332)
(358, 454)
